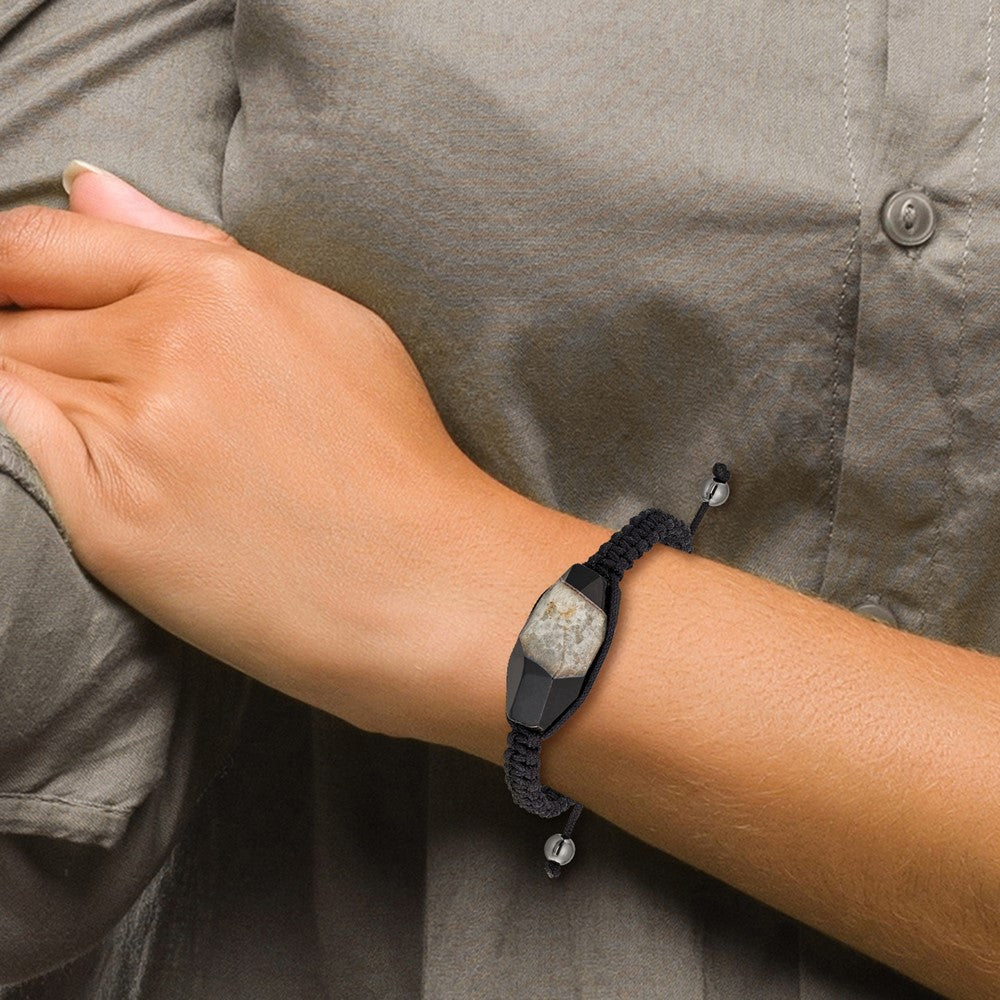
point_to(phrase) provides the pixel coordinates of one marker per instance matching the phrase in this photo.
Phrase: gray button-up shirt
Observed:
(620, 241)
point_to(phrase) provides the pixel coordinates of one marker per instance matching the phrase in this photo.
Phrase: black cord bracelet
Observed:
(561, 647)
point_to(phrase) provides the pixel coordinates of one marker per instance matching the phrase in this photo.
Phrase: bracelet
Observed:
(561, 647)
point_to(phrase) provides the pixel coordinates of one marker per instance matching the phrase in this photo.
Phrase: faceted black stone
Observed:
(535, 698)
(589, 582)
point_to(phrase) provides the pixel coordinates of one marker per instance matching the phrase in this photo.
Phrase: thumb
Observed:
(98, 193)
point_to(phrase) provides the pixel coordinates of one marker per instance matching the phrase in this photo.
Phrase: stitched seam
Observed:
(836, 386)
(56, 800)
(946, 491)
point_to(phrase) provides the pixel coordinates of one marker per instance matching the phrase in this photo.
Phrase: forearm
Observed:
(843, 771)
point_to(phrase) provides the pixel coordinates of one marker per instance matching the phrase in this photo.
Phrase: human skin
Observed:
(252, 461)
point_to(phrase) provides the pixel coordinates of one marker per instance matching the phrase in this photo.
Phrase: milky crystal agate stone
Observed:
(555, 648)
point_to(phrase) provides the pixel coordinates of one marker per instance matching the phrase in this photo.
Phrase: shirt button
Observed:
(871, 609)
(908, 218)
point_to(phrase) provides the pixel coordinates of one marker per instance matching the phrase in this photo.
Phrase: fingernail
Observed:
(73, 170)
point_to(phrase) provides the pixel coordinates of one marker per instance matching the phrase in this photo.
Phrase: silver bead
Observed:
(714, 492)
(560, 848)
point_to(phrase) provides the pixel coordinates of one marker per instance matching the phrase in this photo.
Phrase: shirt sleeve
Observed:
(111, 727)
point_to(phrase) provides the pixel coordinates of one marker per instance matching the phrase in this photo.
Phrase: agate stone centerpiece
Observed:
(556, 647)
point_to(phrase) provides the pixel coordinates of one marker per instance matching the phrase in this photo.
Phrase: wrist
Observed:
(521, 548)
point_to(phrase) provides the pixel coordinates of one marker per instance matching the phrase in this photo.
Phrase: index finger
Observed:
(61, 259)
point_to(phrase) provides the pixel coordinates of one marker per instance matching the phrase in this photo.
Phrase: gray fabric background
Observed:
(621, 241)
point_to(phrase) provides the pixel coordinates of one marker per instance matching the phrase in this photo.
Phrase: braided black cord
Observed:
(522, 763)
(521, 768)
(642, 532)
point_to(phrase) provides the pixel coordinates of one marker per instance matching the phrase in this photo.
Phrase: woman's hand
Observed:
(249, 458)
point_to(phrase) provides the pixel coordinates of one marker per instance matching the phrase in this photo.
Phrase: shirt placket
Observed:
(894, 534)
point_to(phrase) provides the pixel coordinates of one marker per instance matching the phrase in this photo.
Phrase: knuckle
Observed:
(387, 339)
(8, 366)
(207, 272)
(210, 284)
(223, 270)
(24, 228)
